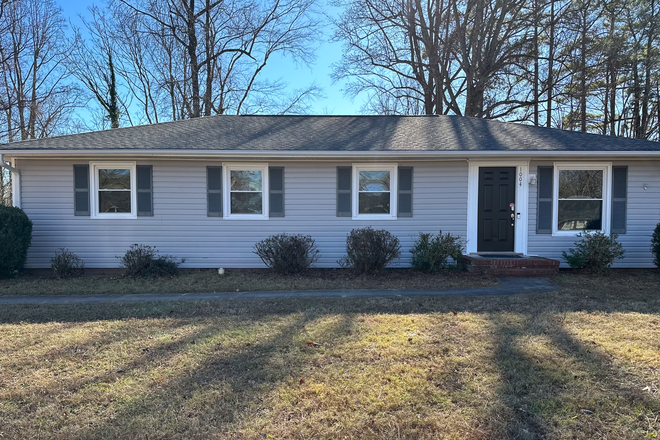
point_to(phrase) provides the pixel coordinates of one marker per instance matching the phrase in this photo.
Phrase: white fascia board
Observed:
(181, 153)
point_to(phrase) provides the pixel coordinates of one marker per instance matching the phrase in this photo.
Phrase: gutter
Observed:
(16, 181)
(297, 154)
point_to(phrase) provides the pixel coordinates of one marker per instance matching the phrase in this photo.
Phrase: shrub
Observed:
(369, 251)
(66, 264)
(655, 245)
(594, 253)
(15, 239)
(143, 261)
(287, 254)
(430, 252)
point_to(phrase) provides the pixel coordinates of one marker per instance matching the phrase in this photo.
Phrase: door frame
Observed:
(522, 202)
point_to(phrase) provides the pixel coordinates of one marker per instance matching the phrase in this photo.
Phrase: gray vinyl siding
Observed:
(643, 215)
(180, 225)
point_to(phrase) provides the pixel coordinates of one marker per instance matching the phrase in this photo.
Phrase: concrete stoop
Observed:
(508, 265)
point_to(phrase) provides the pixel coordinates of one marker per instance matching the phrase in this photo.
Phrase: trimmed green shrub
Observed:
(143, 261)
(431, 252)
(369, 250)
(66, 264)
(655, 245)
(594, 253)
(287, 254)
(15, 239)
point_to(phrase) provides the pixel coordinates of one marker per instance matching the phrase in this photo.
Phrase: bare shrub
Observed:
(287, 254)
(66, 264)
(369, 250)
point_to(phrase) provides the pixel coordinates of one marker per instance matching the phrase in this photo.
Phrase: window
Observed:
(246, 191)
(113, 192)
(375, 191)
(581, 197)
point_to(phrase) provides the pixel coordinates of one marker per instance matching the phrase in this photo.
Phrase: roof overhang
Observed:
(320, 155)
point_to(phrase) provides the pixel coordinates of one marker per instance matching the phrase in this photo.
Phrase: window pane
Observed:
(114, 179)
(374, 180)
(246, 203)
(580, 184)
(246, 180)
(576, 215)
(374, 203)
(114, 201)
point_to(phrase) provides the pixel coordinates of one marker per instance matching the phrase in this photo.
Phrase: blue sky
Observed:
(334, 102)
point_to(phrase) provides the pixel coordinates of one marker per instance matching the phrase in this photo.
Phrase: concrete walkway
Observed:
(508, 286)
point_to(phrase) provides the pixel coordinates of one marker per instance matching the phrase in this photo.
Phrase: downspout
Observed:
(16, 181)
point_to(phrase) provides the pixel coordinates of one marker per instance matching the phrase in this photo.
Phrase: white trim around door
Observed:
(522, 202)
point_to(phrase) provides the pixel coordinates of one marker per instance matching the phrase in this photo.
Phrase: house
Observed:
(207, 189)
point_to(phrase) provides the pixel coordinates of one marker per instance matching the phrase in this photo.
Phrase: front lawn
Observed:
(246, 280)
(581, 363)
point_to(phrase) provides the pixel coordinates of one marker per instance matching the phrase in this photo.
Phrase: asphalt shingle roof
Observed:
(337, 133)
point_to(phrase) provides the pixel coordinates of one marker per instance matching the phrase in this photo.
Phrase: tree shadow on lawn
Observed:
(221, 392)
(555, 385)
(563, 301)
(86, 351)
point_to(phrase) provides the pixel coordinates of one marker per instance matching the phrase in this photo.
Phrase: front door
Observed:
(497, 196)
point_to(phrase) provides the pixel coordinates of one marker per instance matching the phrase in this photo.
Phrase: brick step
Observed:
(504, 266)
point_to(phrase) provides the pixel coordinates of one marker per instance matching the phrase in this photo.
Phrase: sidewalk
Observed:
(508, 286)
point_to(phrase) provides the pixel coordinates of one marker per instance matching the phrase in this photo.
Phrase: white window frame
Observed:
(94, 168)
(607, 191)
(393, 169)
(227, 168)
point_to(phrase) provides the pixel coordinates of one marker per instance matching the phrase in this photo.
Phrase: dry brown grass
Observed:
(581, 363)
(246, 280)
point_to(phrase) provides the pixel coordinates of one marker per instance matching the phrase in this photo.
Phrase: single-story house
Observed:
(207, 189)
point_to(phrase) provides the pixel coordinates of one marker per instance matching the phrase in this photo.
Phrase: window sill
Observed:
(575, 233)
(374, 217)
(246, 217)
(114, 216)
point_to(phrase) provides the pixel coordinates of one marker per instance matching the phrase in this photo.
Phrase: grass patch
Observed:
(244, 281)
(581, 363)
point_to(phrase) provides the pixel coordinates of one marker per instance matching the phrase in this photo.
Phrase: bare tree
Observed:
(206, 57)
(460, 57)
(92, 63)
(34, 95)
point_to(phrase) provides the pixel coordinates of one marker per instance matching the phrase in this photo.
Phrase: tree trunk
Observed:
(613, 78)
(192, 53)
(209, 46)
(636, 100)
(583, 74)
(551, 59)
(113, 105)
(648, 63)
(536, 63)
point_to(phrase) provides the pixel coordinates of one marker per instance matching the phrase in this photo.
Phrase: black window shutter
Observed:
(81, 190)
(344, 202)
(145, 191)
(544, 207)
(276, 191)
(405, 191)
(619, 199)
(214, 191)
